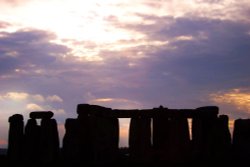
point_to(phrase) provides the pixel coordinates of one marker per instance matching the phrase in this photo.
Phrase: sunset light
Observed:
(123, 54)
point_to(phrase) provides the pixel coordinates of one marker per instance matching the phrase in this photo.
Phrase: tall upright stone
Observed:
(49, 140)
(179, 139)
(85, 144)
(71, 141)
(99, 134)
(16, 136)
(140, 140)
(222, 140)
(203, 133)
(171, 138)
(32, 141)
(105, 139)
(241, 140)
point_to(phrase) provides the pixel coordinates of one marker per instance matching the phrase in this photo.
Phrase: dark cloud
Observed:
(214, 58)
(26, 49)
(180, 74)
(218, 47)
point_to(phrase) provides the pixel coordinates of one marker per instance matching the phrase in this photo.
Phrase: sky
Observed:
(123, 54)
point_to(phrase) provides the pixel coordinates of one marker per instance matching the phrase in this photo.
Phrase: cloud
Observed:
(204, 56)
(38, 97)
(22, 96)
(177, 59)
(23, 103)
(4, 25)
(19, 96)
(192, 50)
(240, 98)
(117, 103)
(28, 50)
(34, 107)
(13, 2)
(54, 98)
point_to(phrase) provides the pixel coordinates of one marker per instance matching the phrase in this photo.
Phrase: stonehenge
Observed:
(95, 139)
(33, 143)
(158, 135)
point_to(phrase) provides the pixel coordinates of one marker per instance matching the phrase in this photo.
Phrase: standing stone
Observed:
(241, 140)
(179, 140)
(49, 140)
(71, 141)
(32, 141)
(105, 139)
(85, 142)
(203, 135)
(171, 139)
(99, 135)
(161, 133)
(140, 140)
(222, 140)
(15, 145)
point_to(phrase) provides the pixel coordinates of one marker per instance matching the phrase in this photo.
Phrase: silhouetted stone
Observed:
(71, 141)
(83, 109)
(15, 140)
(160, 131)
(104, 139)
(32, 141)
(241, 140)
(180, 140)
(49, 140)
(93, 137)
(222, 140)
(208, 111)
(41, 115)
(140, 140)
(171, 139)
(204, 134)
(85, 141)
(99, 134)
